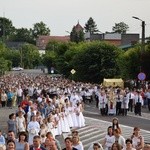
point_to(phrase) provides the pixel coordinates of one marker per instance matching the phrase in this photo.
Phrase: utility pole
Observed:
(143, 36)
(21, 56)
(3, 28)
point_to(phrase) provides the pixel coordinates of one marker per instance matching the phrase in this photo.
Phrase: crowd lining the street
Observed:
(49, 106)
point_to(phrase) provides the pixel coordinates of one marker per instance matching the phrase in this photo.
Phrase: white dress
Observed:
(80, 117)
(64, 123)
(51, 128)
(33, 129)
(68, 116)
(74, 116)
(58, 129)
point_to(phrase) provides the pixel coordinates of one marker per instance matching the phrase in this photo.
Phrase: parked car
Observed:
(17, 69)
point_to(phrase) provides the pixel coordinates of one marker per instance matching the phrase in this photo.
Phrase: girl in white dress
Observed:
(51, 125)
(79, 115)
(33, 129)
(109, 139)
(64, 121)
(57, 117)
(43, 131)
(73, 115)
(68, 112)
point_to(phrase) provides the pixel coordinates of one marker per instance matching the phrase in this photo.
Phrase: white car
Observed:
(17, 69)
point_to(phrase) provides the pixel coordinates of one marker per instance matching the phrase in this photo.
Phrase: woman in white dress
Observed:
(33, 129)
(79, 115)
(109, 139)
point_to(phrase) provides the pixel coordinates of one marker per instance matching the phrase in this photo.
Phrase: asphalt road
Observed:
(131, 120)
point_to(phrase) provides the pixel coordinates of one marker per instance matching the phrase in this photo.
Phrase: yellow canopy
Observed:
(113, 82)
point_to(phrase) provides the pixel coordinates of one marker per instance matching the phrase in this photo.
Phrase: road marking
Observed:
(95, 131)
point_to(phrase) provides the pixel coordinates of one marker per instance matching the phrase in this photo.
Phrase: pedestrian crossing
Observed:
(95, 131)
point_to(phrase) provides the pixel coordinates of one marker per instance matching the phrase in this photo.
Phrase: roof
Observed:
(55, 38)
(15, 45)
(43, 40)
(78, 27)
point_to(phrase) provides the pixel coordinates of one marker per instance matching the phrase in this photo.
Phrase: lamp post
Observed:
(142, 75)
(143, 33)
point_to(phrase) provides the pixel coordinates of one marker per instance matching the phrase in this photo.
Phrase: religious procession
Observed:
(49, 106)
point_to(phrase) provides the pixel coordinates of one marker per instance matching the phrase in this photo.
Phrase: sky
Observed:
(61, 15)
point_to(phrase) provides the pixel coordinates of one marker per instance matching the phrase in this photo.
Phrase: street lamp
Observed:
(143, 33)
(141, 74)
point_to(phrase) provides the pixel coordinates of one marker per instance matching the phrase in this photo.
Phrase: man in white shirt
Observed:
(138, 101)
(130, 97)
(19, 95)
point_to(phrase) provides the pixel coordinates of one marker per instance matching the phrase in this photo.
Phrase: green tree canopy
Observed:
(4, 65)
(91, 26)
(129, 63)
(120, 27)
(48, 59)
(96, 61)
(40, 29)
(23, 35)
(30, 56)
(6, 28)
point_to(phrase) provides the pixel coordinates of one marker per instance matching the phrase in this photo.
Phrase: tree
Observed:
(4, 65)
(91, 26)
(96, 61)
(120, 28)
(48, 59)
(6, 28)
(23, 35)
(30, 56)
(129, 63)
(40, 29)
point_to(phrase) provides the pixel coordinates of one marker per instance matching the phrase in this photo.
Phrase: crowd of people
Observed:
(49, 106)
